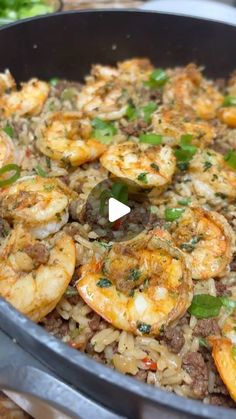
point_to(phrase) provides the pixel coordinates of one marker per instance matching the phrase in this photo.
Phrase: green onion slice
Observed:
(40, 171)
(9, 130)
(204, 306)
(229, 101)
(103, 131)
(157, 79)
(230, 159)
(154, 139)
(172, 214)
(9, 168)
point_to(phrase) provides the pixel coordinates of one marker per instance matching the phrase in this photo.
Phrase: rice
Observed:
(152, 359)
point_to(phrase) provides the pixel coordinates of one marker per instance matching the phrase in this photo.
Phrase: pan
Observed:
(65, 45)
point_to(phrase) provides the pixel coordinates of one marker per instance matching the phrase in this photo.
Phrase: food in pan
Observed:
(161, 305)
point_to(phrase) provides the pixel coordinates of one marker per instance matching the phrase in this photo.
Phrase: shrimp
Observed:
(207, 240)
(38, 203)
(7, 150)
(6, 81)
(170, 123)
(138, 286)
(211, 175)
(224, 353)
(65, 136)
(228, 116)
(187, 88)
(103, 94)
(27, 101)
(33, 275)
(148, 166)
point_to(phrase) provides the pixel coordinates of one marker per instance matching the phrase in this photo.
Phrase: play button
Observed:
(116, 210)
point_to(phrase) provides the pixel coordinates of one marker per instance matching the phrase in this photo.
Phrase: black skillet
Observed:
(65, 45)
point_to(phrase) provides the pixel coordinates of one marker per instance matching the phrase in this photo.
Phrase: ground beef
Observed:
(206, 327)
(174, 338)
(221, 289)
(221, 400)
(4, 228)
(72, 229)
(38, 252)
(94, 322)
(55, 324)
(135, 128)
(196, 367)
(221, 84)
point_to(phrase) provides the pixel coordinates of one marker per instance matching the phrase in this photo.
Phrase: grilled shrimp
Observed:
(224, 355)
(138, 286)
(6, 81)
(211, 175)
(65, 136)
(103, 94)
(40, 204)
(7, 149)
(148, 166)
(170, 123)
(207, 240)
(27, 101)
(187, 88)
(34, 275)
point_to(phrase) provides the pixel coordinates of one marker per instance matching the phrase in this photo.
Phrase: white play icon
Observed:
(116, 209)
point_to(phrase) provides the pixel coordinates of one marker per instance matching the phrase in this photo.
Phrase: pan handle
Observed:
(43, 395)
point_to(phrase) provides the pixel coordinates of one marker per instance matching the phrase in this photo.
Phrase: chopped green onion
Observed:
(142, 177)
(172, 214)
(148, 110)
(227, 302)
(71, 291)
(229, 101)
(234, 351)
(185, 151)
(9, 168)
(120, 192)
(144, 328)
(9, 130)
(184, 201)
(54, 81)
(131, 113)
(40, 171)
(203, 342)
(230, 159)
(154, 139)
(157, 79)
(103, 131)
(204, 306)
(104, 283)
(48, 162)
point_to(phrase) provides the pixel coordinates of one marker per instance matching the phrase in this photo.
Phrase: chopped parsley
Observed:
(185, 151)
(9, 130)
(190, 246)
(155, 167)
(104, 283)
(207, 165)
(142, 177)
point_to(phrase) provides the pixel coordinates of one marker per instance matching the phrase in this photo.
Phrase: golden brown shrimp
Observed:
(148, 166)
(170, 123)
(40, 204)
(187, 87)
(207, 240)
(212, 176)
(27, 101)
(103, 95)
(65, 136)
(34, 275)
(228, 116)
(138, 286)
(224, 355)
